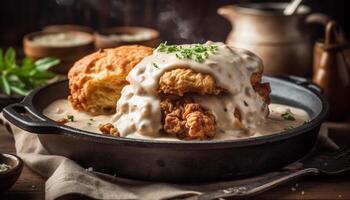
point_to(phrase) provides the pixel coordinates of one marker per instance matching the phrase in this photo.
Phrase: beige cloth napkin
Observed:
(65, 176)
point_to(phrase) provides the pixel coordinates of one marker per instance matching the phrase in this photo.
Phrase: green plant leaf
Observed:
(5, 84)
(19, 90)
(27, 63)
(45, 63)
(10, 58)
(13, 78)
(41, 74)
(21, 79)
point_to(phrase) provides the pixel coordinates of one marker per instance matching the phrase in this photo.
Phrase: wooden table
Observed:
(31, 186)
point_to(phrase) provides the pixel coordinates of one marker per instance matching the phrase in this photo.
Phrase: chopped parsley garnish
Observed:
(91, 119)
(245, 103)
(288, 116)
(89, 123)
(155, 65)
(4, 167)
(70, 118)
(288, 128)
(197, 52)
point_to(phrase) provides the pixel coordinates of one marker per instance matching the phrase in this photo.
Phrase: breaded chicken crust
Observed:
(263, 89)
(181, 80)
(96, 81)
(187, 119)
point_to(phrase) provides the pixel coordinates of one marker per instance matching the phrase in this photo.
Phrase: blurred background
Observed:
(287, 44)
(178, 21)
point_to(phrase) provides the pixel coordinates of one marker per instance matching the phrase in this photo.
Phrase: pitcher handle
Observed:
(318, 18)
(227, 12)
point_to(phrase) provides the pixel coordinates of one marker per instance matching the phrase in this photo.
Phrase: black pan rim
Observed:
(86, 135)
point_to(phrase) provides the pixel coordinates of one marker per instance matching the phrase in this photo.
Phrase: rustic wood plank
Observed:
(29, 185)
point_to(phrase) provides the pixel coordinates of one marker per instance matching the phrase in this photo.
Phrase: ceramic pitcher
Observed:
(332, 71)
(283, 42)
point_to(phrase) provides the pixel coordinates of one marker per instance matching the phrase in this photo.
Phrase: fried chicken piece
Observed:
(179, 81)
(187, 119)
(95, 81)
(263, 89)
(108, 129)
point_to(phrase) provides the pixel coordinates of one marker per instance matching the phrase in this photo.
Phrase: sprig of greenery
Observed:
(196, 52)
(288, 116)
(70, 118)
(289, 128)
(21, 78)
(4, 167)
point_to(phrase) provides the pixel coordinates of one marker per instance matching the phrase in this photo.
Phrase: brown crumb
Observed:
(187, 119)
(62, 121)
(108, 129)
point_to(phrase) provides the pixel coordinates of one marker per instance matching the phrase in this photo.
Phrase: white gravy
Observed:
(138, 109)
(274, 123)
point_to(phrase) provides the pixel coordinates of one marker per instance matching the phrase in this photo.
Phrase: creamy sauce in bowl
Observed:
(275, 123)
(63, 39)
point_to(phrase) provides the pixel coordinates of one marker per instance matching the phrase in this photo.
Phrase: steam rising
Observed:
(173, 19)
(186, 27)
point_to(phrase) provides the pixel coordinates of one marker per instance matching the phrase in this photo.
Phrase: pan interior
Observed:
(283, 92)
(291, 94)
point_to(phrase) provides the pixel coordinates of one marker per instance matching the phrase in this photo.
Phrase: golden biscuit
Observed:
(95, 81)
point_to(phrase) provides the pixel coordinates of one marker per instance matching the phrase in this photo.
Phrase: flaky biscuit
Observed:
(95, 81)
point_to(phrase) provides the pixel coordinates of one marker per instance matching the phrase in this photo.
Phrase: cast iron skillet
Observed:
(176, 160)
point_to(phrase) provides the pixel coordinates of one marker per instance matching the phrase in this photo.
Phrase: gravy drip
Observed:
(138, 109)
(273, 124)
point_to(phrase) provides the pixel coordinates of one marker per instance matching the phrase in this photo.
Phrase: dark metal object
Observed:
(175, 160)
(328, 164)
(7, 100)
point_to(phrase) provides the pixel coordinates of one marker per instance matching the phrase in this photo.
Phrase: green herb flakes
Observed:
(197, 52)
(288, 116)
(70, 118)
(288, 128)
(4, 167)
(155, 65)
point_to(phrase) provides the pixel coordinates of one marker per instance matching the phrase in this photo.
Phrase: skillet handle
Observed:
(19, 115)
(303, 82)
(250, 189)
